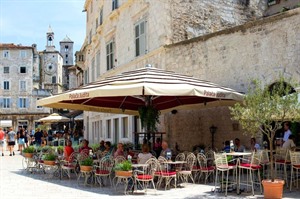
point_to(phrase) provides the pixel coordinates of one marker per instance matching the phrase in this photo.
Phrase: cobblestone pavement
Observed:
(18, 183)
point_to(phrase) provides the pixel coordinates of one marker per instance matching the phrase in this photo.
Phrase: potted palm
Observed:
(123, 169)
(28, 152)
(86, 164)
(263, 110)
(49, 159)
(149, 116)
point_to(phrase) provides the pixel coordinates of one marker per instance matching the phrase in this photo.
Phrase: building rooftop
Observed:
(12, 45)
(66, 39)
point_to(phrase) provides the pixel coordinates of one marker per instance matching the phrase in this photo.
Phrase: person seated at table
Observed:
(254, 146)
(119, 151)
(68, 150)
(166, 151)
(238, 147)
(43, 142)
(101, 147)
(289, 144)
(157, 146)
(227, 146)
(108, 149)
(145, 155)
(85, 147)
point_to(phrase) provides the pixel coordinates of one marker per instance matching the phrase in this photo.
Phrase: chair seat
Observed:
(297, 166)
(99, 172)
(229, 166)
(144, 177)
(196, 168)
(247, 165)
(211, 168)
(283, 161)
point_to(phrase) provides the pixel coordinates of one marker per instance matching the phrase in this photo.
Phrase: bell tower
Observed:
(50, 40)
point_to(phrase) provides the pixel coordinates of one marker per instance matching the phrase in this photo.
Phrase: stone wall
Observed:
(257, 50)
(192, 18)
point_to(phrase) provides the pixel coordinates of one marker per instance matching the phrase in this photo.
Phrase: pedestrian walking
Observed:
(11, 141)
(21, 141)
(2, 142)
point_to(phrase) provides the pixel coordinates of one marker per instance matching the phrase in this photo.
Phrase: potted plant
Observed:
(28, 152)
(264, 110)
(86, 164)
(60, 150)
(149, 116)
(49, 159)
(123, 169)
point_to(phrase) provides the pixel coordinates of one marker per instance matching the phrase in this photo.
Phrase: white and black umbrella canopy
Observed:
(54, 118)
(125, 93)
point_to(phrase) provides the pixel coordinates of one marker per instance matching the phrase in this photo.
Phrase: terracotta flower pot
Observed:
(28, 155)
(86, 168)
(273, 190)
(123, 173)
(49, 162)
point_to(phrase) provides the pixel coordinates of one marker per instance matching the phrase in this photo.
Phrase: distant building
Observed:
(27, 75)
(19, 76)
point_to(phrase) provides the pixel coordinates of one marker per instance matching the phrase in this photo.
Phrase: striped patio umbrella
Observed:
(54, 117)
(125, 93)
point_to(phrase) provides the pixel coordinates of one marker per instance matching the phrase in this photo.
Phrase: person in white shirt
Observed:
(289, 144)
(254, 145)
(145, 155)
(287, 132)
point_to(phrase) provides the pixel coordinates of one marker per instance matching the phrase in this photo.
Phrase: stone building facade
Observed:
(28, 75)
(226, 42)
(19, 74)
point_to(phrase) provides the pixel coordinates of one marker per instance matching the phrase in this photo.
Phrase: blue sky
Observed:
(26, 21)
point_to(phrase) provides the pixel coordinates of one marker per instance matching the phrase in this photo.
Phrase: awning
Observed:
(5, 123)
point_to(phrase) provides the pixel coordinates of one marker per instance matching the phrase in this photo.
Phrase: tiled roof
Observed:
(12, 45)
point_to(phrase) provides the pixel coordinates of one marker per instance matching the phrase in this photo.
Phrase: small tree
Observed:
(264, 110)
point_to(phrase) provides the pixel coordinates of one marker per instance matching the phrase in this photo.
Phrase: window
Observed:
(90, 37)
(114, 4)
(67, 55)
(6, 103)
(116, 129)
(6, 53)
(108, 129)
(54, 80)
(101, 17)
(110, 55)
(22, 85)
(22, 69)
(66, 48)
(39, 107)
(140, 38)
(86, 76)
(6, 85)
(98, 64)
(6, 69)
(97, 23)
(23, 54)
(125, 127)
(23, 102)
(93, 70)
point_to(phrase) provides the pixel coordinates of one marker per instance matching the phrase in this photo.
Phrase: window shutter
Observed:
(27, 102)
(18, 101)
(1, 102)
(143, 38)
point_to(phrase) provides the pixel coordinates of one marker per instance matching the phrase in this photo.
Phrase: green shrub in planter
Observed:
(123, 166)
(29, 149)
(87, 162)
(49, 157)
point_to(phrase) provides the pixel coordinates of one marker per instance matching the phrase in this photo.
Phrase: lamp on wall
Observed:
(213, 130)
